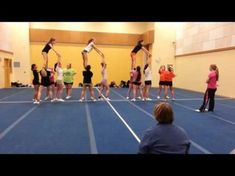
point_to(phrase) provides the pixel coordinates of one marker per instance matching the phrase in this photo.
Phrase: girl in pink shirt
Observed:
(209, 96)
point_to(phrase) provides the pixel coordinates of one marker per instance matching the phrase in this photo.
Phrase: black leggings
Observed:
(209, 96)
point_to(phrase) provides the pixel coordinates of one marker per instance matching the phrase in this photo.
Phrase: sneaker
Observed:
(46, 98)
(94, 99)
(107, 98)
(54, 99)
(198, 110)
(158, 97)
(206, 110)
(173, 99)
(81, 100)
(61, 100)
(143, 99)
(127, 98)
(37, 102)
(167, 97)
(133, 99)
(148, 99)
(139, 97)
(68, 97)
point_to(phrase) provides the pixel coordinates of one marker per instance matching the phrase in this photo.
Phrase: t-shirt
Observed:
(68, 75)
(212, 80)
(104, 74)
(169, 76)
(35, 77)
(148, 74)
(59, 72)
(87, 75)
(164, 139)
(89, 47)
(162, 75)
(137, 48)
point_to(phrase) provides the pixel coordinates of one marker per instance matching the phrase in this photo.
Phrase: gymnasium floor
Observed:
(103, 127)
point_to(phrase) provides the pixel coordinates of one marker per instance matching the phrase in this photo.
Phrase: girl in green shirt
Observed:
(68, 80)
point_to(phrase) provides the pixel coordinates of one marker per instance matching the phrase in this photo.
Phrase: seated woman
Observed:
(164, 137)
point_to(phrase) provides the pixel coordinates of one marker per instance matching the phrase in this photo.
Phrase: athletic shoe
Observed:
(198, 110)
(158, 97)
(127, 98)
(107, 98)
(139, 97)
(167, 97)
(148, 99)
(206, 110)
(68, 97)
(81, 100)
(54, 99)
(46, 98)
(143, 99)
(173, 99)
(61, 100)
(37, 102)
(133, 99)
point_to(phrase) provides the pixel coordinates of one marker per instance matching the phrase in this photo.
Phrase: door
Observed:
(7, 72)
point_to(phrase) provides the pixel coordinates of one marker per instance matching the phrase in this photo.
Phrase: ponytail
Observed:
(215, 68)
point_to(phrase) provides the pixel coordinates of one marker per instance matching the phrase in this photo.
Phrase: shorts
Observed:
(169, 83)
(87, 85)
(137, 83)
(59, 82)
(84, 52)
(104, 82)
(162, 83)
(148, 82)
(36, 83)
(68, 83)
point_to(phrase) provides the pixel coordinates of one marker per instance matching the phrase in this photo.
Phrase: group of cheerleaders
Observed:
(54, 89)
(65, 77)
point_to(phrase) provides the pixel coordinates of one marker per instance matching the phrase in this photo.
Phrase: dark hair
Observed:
(55, 66)
(88, 67)
(32, 66)
(51, 40)
(163, 113)
(140, 41)
(139, 74)
(145, 67)
(215, 68)
(91, 40)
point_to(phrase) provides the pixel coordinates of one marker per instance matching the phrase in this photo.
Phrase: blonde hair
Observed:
(160, 69)
(215, 68)
(163, 113)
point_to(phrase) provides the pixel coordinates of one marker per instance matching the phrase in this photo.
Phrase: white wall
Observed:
(20, 45)
(15, 38)
(112, 27)
(163, 48)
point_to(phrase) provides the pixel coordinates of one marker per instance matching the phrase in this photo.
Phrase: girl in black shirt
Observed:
(45, 52)
(87, 82)
(138, 47)
(36, 83)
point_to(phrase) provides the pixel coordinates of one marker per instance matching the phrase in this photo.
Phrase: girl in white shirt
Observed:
(59, 80)
(87, 49)
(104, 82)
(147, 81)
